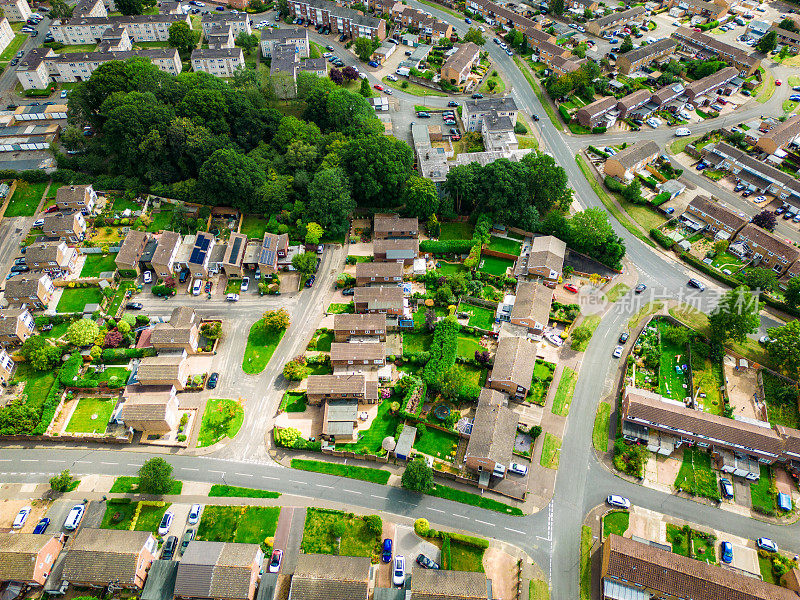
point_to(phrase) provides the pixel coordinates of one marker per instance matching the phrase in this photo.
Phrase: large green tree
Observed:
(420, 197)
(784, 348)
(792, 293)
(329, 200)
(760, 279)
(475, 36)
(417, 477)
(768, 42)
(155, 477)
(229, 178)
(378, 166)
(182, 37)
(735, 316)
(247, 42)
(364, 48)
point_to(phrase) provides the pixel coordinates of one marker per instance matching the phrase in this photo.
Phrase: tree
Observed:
(350, 73)
(766, 220)
(735, 316)
(788, 25)
(295, 369)
(580, 335)
(60, 483)
(784, 348)
(420, 197)
(314, 233)
(305, 263)
(676, 335)
(626, 45)
(758, 279)
(133, 7)
(336, 76)
(633, 191)
(588, 14)
(228, 177)
(275, 320)
(557, 7)
(113, 339)
(211, 331)
(365, 90)
(59, 9)
(784, 52)
(247, 42)
(329, 201)
(155, 477)
(364, 48)
(475, 36)
(378, 166)
(283, 8)
(792, 293)
(182, 37)
(72, 138)
(768, 43)
(374, 524)
(82, 332)
(417, 477)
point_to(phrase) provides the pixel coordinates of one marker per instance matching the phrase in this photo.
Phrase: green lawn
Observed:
(781, 400)
(761, 494)
(150, 516)
(672, 383)
(465, 557)
(231, 491)
(617, 292)
(37, 384)
(542, 370)
(234, 286)
(26, 198)
(130, 485)
(765, 566)
(338, 308)
(324, 341)
(253, 226)
(601, 424)
(480, 317)
(586, 563)
(590, 323)
(538, 589)
(350, 471)
(446, 268)
(697, 476)
(551, 451)
(13, 47)
(261, 345)
(679, 144)
(80, 48)
(416, 342)
(726, 260)
(505, 245)
(467, 345)
(563, 397)
(499, 84)
(448, 493)
(708, 378)
(57, 331)
(119, 514)
(616, 522)
(436, 443)
(120, 205)
(257, 525)
(91, 415)
(161, 218)
(495, 266)
(211, 434)
(219, 523)
(318, 538)
(294, 402)
(369, 440)
(456, 230)
(119, 295)
(679, 540)
(73, 300)
(412, 88)
(97, 263)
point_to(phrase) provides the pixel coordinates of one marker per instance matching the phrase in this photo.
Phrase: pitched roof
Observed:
(40, 252)
(514, 361)
(635, 99)
(104, 555)
(234, 251)
(766, 240)
(600, 106)
(547, 251)
(179, 328)
(365, 351)
(462, 57)
(160, 367)
(9, 318)
(338, 385)
(493, 432)
(216, 570)
(657, 48)
(386, 296)
(71, 194)
(359, 322)
(715, 210)
(709, 82)
(783, 133)
(455, 585)
(532, 302)
(331, 577)
(60, 221)
(709, 42)
(379, 269)
(636, 153)
(392, 246)
(615, 17)
(25, 286)
(18, 554)
(390, 223)
(754, 165)
(167, 242)
(132, 247)
(637, 563)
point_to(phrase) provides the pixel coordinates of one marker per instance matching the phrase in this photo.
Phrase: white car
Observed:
(760, 199)
(618, 501)
(652, 123)
(232, 297)
(166, 523)
(618, 351)
(518, 468)
(553, 338)
(327, 54)
(198, 285)
(74, 517)
(147, 277)
(38, 222)
(682, 132)
(245, 284)
(21, 517)
(391, 77)
(399, 571)
(194, 514)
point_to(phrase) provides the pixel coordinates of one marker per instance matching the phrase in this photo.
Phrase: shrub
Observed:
(446, 246)
(442, 351)
(422, 527)
(613, 184)
(564, 114)
(663, 240)
(598, 152)
(659, 199)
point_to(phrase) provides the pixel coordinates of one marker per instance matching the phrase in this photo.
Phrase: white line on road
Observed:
(436, 510)
(55, 461)
(459, 516)
(29, 460)
(374, 496)
(482, 522)
(189, 469)
(514, 530)
(108, 463)
(268, 477)
(85, 462)
(298, 482)
(213, 471)
(5, 460)
(243, 474)
(133, 465)
(403, 502)
(323, 486)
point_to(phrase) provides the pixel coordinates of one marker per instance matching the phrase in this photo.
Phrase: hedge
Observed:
(446, 246)
(49, 407)
(564, 114)
(470, 540)
(663, 240)
(112, 354)
(613, 184)
(660, 199)
(598, 129)
(597, 151)
(709, 270)
(770, 301)
(443, 351)
(648, 182)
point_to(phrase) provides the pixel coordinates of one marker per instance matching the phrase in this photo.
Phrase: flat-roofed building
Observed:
(220, 62)
(297, 37)
(141, 28)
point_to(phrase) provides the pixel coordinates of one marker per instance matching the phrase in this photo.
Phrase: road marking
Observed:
(459, 516)
(108, 463)
(374, 496)
(243, 474)
(189, 469)
(55, 461)
(133, 465)
(436, 510)
(298, 482)
(28, 460)
(85, 462)
(323, 486)
(353, 492)
(482, 522)
(213, 471)
(268, 477)
(404, 502)
(514, 530)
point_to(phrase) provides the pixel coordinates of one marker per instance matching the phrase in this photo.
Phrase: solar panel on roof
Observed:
(197, 257)
(202, 243)
(235, 249)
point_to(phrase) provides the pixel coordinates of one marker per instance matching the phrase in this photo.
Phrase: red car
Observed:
(378, 87)
(570, 288)
(778, 82)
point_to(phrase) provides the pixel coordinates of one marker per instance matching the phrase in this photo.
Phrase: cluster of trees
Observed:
(768, 43)
(697, 69)
(579, 82)
(588, 232)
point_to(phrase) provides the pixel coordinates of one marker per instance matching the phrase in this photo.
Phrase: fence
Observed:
(99, 250)
(498, 254)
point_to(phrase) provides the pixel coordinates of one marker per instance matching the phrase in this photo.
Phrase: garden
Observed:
(26, 198)
(708, 379)
(98, 263)
(345, 534)
(763, 492)
(697, 476)
(781, 400)
(494, 265)
(91, 415)
(222, 419)
(383, 425)
(479, 316)
(74, 300)
(130, 485)
(542, 379)
(692, 543)
(240, 524)
(435, 442)
(616, 522)
(126, 514)
(505, 245)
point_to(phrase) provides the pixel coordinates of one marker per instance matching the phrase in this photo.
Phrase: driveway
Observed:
(410, 545)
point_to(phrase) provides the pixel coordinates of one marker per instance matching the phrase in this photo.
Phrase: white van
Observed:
(74, 517)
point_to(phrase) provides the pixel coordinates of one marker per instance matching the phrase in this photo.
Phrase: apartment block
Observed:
(346, 21)
(297, 37)
(475, 110)
(141, 28)
(16, 10)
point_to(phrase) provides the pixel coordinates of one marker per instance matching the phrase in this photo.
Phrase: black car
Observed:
(477, 96)
(212, 381)
(535, 117)
(12, 107)
(134, 306)
(452, 103)
(169, 548)
(183, 276)
(20, 269)
(14, 61)
(20, 261)
(640, 288)
(187, 537)
(310, 281)
(623, 337)
(348, 292)
(426, 563)
(696, 284)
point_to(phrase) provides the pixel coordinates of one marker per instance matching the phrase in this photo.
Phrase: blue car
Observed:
(614, 41)
(727, 552)
(373, 64)
(42, 526)
(795, 97)
(386, 552)
(467, 20)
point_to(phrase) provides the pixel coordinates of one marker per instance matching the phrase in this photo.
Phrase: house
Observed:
(402, 250)
(427, 584)
(615, 21)
(456, 68)
(713, 218)
(163, 259)
(765, 249)
(32, 290)
(499, 15)
(561, 64)
(297, 37)
(494, 429)
(341, 387)
(164, 370)
(28, 558)
(31, 70)
(342, 21)
(474, 110)
(181, 332)
(286, 64)
(708, 46)
(369, 325)
(532, 306)
(334, 577)
(351, 356)
(239, 22)
(548, 52)
(637, 569)
(536, 37)
(151, 409)
(513, 367)
(625, 163)
(54, 258)
(16, 10)
(392, 226)
(130, 252)
(695, 90)
(7, 365)
(220, 36)
(498, 134)
(198, 262)
(76, 197)
(780, 136)
(790, 39)
(99, 557)
(68, 226)
(40, 113)
(141, 28)
(377, 273)
(272, 248)
(340, 420)
(711, 11)
(667, 94)
(381, 299)
(546, 259)
(89, 8)
(16, 326)
(234, 255)
(595, 114)
(643, 56)
(219, 570)
(630, 104)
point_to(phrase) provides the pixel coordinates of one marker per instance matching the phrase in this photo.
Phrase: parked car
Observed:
(184, 275)
(196, 287)
(399, 571)
(38, 222)
(275, 561)
(477, 96)
(74, 517)
(553, 338)
(386, 550)
(348, 292)
(391, 77)
(378, 87)
(212, 381)
(760, 199)
(518, 468)
(187, 537)
(166, 523)
(310, 281)
(571, 288)
(147, 277)
(207, 286)
(245, 284)
(726, 552)
(452, 103)
(618, 351)
(726, 487)
(423, 115)
(623, 337)
(639, 288)
(534, 116)
(767, 544)
(20, 269)
(426, 563)
(373, 64)
(194, 514)
(134, 306)
(618, 501)
(21, 518)
(41, 526)
(168, 551)
(682, 132)
(696, 284)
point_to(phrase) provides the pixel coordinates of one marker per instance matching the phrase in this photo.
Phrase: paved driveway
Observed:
(409, 544)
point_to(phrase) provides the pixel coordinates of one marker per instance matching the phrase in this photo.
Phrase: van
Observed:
(74, 517)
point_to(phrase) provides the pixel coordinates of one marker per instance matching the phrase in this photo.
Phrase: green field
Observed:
(261, 345)
(601, 424)
(212, 432)
(456, 230)
(26, 199)
(480, 317)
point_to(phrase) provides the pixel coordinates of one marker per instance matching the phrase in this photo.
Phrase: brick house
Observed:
(219, 570)
(382, 299)
(234, 254)
(716, 220)
(16, 326)
(457, 66)
(68, 226)
(35, 291)
(401, 250)
(378, 273)
(513, 367)
(7, 365)
(28, 558)
(594, 114)
(131, 251)
(763, 248)
(347, 326)
(273, 247)
(625, 163)
(54, 258)
(164, 370)
(181, 332)
(546, 259)
(163, 260)
(345, 21)
(319, 576)
(341, 387)
(393, 226)
(76, 197)
(532, 306)
(99, 557)
(494, 430)
(352, 356)
(643, 56)
(150, 408)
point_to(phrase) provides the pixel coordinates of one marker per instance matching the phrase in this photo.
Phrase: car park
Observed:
(41, 526)
(618, 501)
(726, 487)
(212, 381)
(166, 523)
(194, 514)
(74, 517)
(618, 351)
(168, 551)
(767, 544)
(275, 561)
(427, 563)
(399, 571)
(21, 518)
(518, 468)
(696, 284)
(726, 552)
(386, 550)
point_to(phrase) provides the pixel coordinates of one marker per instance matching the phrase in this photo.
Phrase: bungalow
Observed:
(643, 56)
(130, 252)
(402, 250)
(34, 291)
(234, 254)
(351, 356)
(546, 259)
(54, 258)
(340, 420)
(28, 558)
(150, 409)
(100, 557)
(369, 273)
(164, 370)
(341, 387)
(780, 136)
(273, 247)
(76, 197)
(181, 332)
(393, 226)
(427, 584)
(494, 430)
(711, 217)
(16, 326)
(336, 577)
(219, 570)
(68, 226)
(383, 299)
(532, 306)
(163, 260)
(513, 367)
(594, 114)
(764, 249)
(625, 163)
(348, 326)
(200, 255)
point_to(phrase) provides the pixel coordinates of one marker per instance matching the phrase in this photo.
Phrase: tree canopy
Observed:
(735, 316)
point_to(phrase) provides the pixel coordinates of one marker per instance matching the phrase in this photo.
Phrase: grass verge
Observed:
(551, 451)
(680, 144)
(538, 590)
(616, 522)
(261, 345)
(563, 397)
(548, 108)
(221, 418)
(231, 491)
(617, 292)
(602, 421)
(130, 485)
(586, 563)
(350, 471)
(448, 493)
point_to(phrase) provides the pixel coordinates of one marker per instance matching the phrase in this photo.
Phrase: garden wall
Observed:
(424, 83)
(486, 252)
(98, 250)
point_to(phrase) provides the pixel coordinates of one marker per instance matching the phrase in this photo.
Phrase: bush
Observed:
(442, 351)
(613, 184)
(598, 129)
(564, 114)
(598, 152)
(660, 199)
(709, 270)
(663, 240)
(422, 527)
